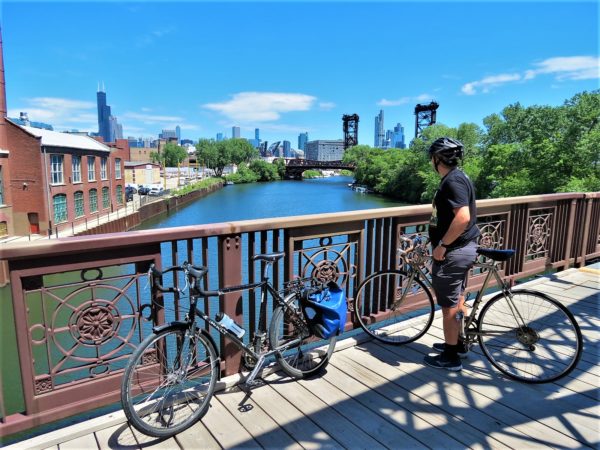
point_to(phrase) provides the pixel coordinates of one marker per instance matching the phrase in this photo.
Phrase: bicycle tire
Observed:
(547, 347)
(407, 321)
(156, 400)
(310, 354)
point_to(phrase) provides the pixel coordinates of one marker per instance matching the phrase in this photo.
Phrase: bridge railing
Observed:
(75, 308)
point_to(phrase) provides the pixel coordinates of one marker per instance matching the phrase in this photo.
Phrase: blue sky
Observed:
(290, 67)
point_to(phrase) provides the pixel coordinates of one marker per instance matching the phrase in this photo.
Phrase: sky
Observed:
(290, 67)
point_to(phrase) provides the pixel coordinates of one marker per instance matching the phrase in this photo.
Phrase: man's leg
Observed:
(451, 325)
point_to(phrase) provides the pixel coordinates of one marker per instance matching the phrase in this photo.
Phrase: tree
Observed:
(218, 155)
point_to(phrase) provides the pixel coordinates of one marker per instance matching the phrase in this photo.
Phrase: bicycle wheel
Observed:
(301, 354)
(529, 337)
(168, 382)
(385, 314)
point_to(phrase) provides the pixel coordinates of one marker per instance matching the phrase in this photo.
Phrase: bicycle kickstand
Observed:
(250, 381)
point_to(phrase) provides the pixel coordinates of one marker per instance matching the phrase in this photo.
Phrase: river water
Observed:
(273, 199)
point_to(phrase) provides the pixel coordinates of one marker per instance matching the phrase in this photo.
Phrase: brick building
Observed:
(49, 178)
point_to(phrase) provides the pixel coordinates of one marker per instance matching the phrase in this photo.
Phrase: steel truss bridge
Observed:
(295, 167)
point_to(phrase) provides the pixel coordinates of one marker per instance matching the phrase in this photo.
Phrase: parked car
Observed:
(143, 190)
(156, 191)
(128, 196)
(131, 188)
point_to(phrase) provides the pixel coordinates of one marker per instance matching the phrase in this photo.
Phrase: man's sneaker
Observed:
(462, 350)
(443, 362)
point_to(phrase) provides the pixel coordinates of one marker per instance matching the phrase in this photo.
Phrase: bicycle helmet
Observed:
(449, 151)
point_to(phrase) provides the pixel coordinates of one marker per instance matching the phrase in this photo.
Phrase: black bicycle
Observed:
(170, 378)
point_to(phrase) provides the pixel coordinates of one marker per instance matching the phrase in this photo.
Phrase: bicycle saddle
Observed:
(270, 257)
(495, 254)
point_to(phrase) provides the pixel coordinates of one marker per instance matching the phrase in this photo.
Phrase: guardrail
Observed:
(78, 303)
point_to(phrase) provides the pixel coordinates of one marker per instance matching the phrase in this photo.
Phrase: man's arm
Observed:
(462, 217)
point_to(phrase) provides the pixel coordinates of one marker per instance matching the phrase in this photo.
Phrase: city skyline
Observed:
(180, 64)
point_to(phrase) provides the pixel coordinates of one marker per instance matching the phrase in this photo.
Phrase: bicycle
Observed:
(525, 334)
(170, 378)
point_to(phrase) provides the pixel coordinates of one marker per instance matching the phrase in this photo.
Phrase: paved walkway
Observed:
(375, 396)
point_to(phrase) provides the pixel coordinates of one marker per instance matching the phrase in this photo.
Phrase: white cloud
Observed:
(61, 113)
(261, 106)
(568, 68)
(151, 118)
(405, 100)
(562, 67)
(485, 84)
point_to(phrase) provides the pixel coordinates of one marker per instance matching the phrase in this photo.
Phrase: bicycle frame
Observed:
(417, 271)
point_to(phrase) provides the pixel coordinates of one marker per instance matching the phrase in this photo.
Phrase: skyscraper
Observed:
(108, 126)
(302, 140)
(178, 133)
(379, 130)
(398, 137)
(257, 134)
(235, 132)
(219, 137)
(287, 149)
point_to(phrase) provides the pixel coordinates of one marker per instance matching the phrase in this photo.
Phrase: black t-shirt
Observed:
(455, 190)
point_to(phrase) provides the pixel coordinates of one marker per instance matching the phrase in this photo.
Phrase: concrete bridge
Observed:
(295, 167)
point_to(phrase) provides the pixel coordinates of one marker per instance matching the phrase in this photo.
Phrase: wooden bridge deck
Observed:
(375, 396)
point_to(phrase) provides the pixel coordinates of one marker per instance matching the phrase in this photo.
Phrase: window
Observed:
(56, 169)
(3, 228)
(76, 165)
(91, 161)
(79, 204)
(103, 175)
(105, 198)
(93, 200)
(119, 194)
(118, 168)
(59, 203)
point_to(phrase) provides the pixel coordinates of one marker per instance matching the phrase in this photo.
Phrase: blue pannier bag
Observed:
(326, 311)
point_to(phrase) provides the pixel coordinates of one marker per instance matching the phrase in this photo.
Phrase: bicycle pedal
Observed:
(254, 383)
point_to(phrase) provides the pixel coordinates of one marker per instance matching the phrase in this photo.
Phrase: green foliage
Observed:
(205, 183)
(243, 175)
(218, 155)
(265, 171)
(309, 174)
(171, 155)
(522, 151)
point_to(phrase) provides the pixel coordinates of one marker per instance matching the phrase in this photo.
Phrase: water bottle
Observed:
(227, 322)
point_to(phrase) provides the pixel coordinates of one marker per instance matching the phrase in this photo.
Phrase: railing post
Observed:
(230, 274)
(586, 231)
(570, 228)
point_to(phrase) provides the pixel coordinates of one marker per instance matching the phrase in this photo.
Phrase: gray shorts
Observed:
(449, 277)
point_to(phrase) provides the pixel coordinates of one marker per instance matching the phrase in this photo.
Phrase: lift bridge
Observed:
(295, 167)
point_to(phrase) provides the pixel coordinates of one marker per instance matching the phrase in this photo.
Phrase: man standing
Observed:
(453, 233)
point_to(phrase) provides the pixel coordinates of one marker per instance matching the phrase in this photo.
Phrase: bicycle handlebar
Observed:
(196, 273)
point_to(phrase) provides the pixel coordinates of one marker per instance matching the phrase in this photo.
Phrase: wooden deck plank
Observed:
(479, 392)
(87, 442)
(254, 419)
(227, 431)
(372, 422)
(306, 432)
(470, 426)
(365, 385)
(540, 404)
(333, 423)
(197, 436)
(117, 436)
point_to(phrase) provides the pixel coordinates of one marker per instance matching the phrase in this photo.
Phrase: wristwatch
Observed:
(441, 244)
